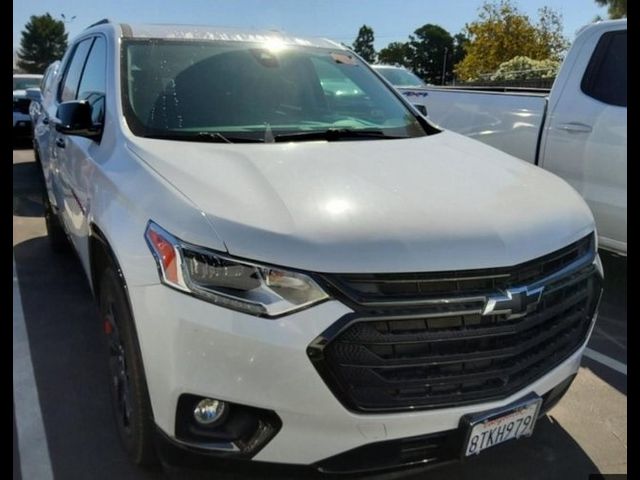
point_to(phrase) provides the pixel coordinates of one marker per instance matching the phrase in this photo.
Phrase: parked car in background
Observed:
(36, 95)
(21, 119)
(289, 274)
(577, 130)
(399, 77)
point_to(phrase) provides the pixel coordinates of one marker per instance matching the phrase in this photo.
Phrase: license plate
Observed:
(492, 428)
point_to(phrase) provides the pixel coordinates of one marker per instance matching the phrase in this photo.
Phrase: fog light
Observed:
(208, 411)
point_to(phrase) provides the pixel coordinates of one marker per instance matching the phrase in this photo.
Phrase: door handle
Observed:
(60, 142)
(575, 127)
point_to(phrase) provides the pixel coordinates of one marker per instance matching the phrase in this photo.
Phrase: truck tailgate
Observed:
(508, 121)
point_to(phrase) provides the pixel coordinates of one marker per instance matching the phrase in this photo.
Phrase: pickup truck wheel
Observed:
(57, 237)
(129, 394)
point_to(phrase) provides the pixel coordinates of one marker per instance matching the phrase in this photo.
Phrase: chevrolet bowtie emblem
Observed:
(514, 302)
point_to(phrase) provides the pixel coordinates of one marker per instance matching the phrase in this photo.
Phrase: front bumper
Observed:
(190, 346)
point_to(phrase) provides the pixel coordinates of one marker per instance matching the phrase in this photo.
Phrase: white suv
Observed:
(286, 274)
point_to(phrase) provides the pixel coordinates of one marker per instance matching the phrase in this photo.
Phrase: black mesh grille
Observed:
(402, 357)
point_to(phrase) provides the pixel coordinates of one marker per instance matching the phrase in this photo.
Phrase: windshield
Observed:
(399, 77)
(242, 90)
(24, 83)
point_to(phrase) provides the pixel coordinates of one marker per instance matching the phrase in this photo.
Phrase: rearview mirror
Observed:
(74, 118)
(34, 94)
(421, 108)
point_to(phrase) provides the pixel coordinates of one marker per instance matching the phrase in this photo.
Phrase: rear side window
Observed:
(69, 87)
(93, 83)
(606, 76)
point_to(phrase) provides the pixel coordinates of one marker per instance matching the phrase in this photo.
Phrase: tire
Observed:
(57, 236)
(128, 386)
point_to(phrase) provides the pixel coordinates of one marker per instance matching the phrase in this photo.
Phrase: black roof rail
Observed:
(99, 22)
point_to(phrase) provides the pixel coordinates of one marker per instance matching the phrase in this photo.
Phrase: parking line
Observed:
(611, 338)
(607, 361)
(32, 441)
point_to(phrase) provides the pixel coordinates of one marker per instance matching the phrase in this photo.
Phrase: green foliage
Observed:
(429, 44)
(460, 44)
(396, 53)
(363, 45)
(502, 32)
(616, 8)
(425, 52)
(43, 42)
(522, 68)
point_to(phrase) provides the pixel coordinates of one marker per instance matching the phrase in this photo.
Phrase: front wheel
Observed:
(129, 394)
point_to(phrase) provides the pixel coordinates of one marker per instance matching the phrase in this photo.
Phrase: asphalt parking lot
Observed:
(585, 433)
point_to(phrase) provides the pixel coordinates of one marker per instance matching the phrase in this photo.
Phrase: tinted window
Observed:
(69, 88)
(606, 76)
(93, 84)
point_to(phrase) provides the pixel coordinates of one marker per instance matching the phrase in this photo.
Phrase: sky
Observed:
(391, 20)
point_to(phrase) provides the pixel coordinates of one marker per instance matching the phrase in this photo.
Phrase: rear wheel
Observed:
(129, 394)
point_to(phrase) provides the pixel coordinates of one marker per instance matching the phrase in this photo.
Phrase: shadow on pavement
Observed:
(28, 188)
(70, 365)
(21, 143)
(610, 334)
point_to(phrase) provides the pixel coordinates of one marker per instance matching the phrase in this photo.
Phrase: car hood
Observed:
(440, 202)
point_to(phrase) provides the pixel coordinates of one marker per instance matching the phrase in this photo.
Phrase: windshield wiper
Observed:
(211, 137)
(333, 134)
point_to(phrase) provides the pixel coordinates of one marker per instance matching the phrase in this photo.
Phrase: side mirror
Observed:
(421, 108)
(74, 118)
(34, 94)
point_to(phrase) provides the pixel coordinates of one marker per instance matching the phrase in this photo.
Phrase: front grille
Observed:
(21, 105)
(402, 349)
(388, 288)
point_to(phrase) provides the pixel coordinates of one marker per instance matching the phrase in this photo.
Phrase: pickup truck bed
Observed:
(507, 119)
(577, 130)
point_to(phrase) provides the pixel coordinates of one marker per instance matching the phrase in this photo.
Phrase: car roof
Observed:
(605, 25)
(214, 33)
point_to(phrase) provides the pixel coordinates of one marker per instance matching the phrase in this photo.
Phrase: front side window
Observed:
(251, 92)
(69, 87)
(93, 83)
(605, 78)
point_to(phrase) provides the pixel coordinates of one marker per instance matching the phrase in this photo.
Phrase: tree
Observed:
(502, 32)
(429, 44)
(363, 44)
(396, 53)
(616, 8)
(522, 68)
(43, 42)
(460, 43)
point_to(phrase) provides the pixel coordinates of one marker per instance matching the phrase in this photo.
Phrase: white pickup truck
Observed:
(578, 130)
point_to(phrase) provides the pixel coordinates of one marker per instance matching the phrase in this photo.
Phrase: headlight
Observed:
(239, 285)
